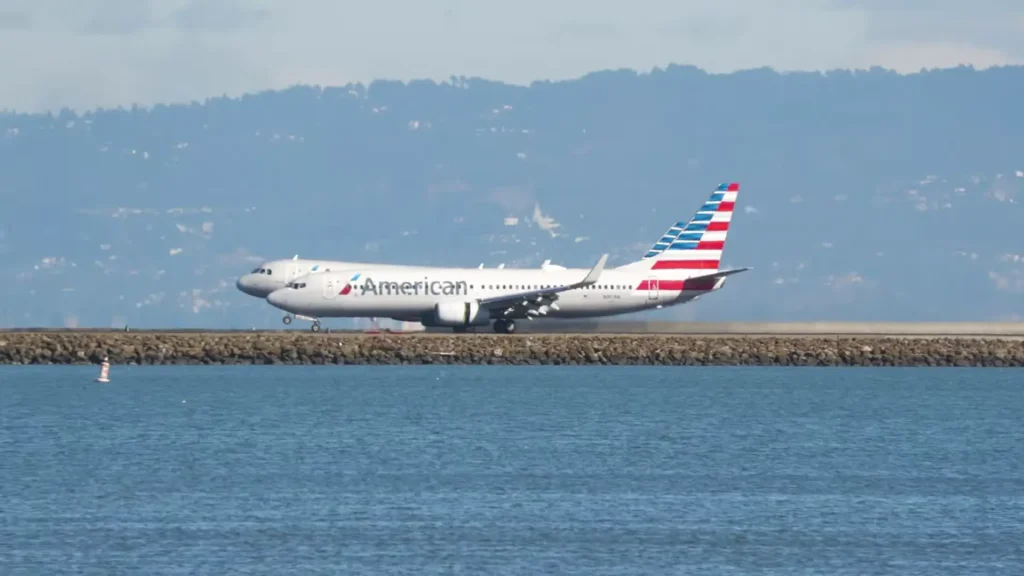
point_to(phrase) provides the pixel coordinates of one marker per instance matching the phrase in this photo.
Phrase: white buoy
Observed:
(104, 371)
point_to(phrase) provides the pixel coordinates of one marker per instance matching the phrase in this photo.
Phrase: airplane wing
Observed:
(522, 303)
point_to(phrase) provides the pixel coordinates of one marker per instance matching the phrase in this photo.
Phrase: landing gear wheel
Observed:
(287, 319)
(504, 326)
(315, 327)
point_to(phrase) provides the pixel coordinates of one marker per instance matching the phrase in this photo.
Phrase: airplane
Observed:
(276, 274)
(681, 266)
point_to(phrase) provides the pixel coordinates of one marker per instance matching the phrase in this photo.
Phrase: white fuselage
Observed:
(276, 274)
(413, 294)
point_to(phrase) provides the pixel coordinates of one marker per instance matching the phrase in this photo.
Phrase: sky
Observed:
(104, 53)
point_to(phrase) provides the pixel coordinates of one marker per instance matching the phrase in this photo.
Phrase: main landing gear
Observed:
(316, 323)
(502, 326)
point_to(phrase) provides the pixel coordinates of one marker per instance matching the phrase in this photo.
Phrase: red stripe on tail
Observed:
(710, 245)
(718, 226)
(685, 265)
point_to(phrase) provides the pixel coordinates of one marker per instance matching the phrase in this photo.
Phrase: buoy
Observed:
(104, 371)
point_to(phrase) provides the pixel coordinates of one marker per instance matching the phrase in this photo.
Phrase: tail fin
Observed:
(697, 244)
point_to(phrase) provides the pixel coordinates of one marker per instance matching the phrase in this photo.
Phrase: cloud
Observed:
(116, 17)
(1011, 282)
(219, 15)
(939, 33)
(91, 53)
(14, 19)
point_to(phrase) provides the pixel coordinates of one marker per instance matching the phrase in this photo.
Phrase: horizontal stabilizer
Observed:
(720, 274)
(702, 283)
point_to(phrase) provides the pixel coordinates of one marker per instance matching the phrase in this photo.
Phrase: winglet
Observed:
(595, 272)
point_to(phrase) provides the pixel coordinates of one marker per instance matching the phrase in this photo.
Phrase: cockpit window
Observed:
(269, 271)
(255, 270)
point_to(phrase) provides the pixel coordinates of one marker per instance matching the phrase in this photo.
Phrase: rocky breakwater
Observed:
(306, 348)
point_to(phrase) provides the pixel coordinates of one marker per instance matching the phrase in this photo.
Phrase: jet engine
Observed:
(460, 314)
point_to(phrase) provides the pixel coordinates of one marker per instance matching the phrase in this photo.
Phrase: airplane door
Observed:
(330, 288)
(652, 293)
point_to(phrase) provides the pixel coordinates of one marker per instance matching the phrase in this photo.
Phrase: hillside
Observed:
(866, 196)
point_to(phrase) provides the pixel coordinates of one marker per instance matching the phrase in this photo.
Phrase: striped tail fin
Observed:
(697, 244)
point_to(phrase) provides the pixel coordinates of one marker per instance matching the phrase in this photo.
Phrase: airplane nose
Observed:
(245, 285)
(278, 298)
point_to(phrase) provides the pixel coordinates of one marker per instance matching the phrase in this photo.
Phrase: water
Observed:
(502, 470)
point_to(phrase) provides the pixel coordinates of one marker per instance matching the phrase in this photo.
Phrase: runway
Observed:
(792, 329)
(1001, 330)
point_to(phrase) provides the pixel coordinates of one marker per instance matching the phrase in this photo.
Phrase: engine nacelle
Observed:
(460, 314)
